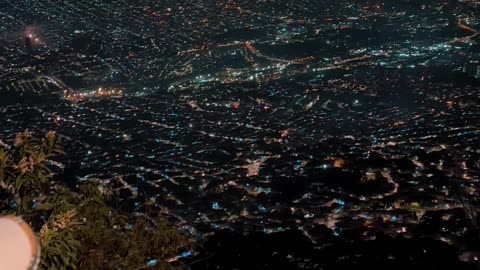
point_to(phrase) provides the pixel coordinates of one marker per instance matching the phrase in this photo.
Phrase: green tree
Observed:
(80, 229)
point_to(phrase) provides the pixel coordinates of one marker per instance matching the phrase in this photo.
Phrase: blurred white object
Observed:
(19, 248)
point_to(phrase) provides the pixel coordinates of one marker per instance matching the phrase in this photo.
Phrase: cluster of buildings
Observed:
(258, 115)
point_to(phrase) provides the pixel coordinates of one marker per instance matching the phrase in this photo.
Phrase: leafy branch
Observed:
(80, 229)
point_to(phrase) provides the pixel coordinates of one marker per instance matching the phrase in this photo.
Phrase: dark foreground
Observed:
(292, 250)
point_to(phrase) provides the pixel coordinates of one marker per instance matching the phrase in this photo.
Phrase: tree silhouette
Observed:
(80, 229)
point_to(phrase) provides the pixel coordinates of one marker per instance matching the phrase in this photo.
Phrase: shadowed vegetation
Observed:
(79, 229)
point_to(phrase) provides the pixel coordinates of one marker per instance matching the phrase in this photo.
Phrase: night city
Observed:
(239, 134)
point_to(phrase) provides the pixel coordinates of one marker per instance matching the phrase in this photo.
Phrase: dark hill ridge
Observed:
(293, 250)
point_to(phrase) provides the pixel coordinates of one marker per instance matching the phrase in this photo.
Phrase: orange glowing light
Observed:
(338, 163)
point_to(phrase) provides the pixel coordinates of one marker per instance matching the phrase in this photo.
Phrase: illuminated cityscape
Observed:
(349, 128)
